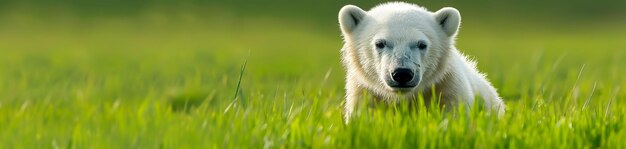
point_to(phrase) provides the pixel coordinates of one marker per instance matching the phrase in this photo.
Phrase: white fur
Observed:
(440, 65)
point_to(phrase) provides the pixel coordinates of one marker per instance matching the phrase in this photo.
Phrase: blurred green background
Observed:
(119, 73)
(282, 39)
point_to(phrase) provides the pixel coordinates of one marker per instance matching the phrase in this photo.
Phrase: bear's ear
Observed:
(448, 19)
(350, 17)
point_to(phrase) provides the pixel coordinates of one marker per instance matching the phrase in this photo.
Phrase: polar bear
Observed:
(398, 50)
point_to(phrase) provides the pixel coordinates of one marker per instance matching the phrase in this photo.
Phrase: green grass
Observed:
(176, 80)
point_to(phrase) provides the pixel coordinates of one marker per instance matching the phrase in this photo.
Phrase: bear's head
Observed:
(399, 45)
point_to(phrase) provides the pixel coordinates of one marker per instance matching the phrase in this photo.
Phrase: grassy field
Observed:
(171, 77)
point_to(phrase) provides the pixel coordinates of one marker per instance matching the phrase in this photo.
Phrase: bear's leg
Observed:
(492, 100)
(456, 90)
(353, 92)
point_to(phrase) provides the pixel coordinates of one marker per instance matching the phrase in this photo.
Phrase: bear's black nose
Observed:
(402, 75)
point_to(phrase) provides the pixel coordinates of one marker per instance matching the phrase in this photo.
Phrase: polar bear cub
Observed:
(398, 50)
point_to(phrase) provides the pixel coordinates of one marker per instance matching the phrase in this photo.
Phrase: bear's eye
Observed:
(421, 45)
(381, 44)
